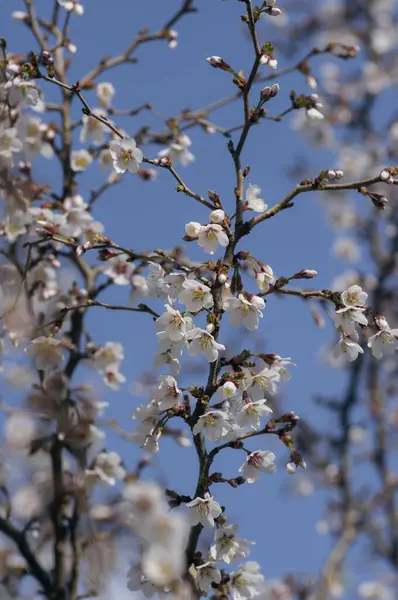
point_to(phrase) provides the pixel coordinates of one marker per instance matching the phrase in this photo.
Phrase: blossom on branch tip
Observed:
(105, 92)
(74, 5)
(228, 545)
(172, 323)
(385, 341)
(265, 278)
(348, 346)
(178, 150)
(204, 510)
(260, 461)
(217, 216)
(353, 297)
(126, 156)
(252, 200)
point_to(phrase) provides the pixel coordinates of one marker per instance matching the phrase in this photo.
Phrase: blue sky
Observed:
(142, 215)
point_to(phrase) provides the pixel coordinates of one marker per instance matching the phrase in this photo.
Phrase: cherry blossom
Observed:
(246, 581)
(204, 510)
(202, 342)
(93, 130)
(348, 346)
(228, 546)
(215, 423)
(166, 393)
(178, 151)
(384, 342)
(252, 200)
(105, 92)
(80, 160)
(172, 323)
(126, 156)
(244, 311)
(119, 269)
(9, 145)
(210, 236)
(260, 461)
(265, 278)
(195, 295)
(206, 574)
(74, 5)
(46, 351)
(107, 467)
(192, 229)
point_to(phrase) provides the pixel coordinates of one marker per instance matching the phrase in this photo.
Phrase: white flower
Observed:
(192, 229)
(119, 270)
(229, 390)
(9, 145)
(244, 311)
(93, 130)
(108, 467)
(202, 342)
(32, 131)
(24, 93)
(215, 423)
(228, 546)
(178, 151)
(105, 160)
(72, 5)
(110, 354)
(354, 297)
(260, 461)
(253, 202)
(126, 156)
(46, 351)
(105, 93)
(345, 320)
(204, 511)
(167, 530)
(374, 590)
(250, 413)
(112, 377)
(145, 500)
(206, 574)
(210, 236)
(195, 295)
(346, 249)
(162, 566)
(172, 323)
(314, 114)
(246, 581)
(166, 393)
(384, 342)
(15, 225)
(217, 216)
(80, 160)
(348, 346)
(265, 278)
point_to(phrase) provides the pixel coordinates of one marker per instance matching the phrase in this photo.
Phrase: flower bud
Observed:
(192, 229)
(19, 15)
(305, 274)
(217, 216)
(209, 327)
(218, 63)
(331, 174)
(339, 174)
(222, 278)
(378, 200)
(274, 12)
(384, 175)
(291, 468)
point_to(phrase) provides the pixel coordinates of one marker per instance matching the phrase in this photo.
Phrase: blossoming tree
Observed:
(74, 493)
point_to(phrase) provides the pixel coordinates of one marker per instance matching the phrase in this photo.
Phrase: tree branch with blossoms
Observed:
(45, 231)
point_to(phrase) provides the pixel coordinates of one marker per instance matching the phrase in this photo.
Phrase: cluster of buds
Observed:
(268, 7)
(268, 92)
(387, 175)
(267, 58)
(329, 175)
(47, 61)
(310, 103)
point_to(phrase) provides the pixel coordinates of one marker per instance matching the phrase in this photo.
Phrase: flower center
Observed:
(125, 155)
